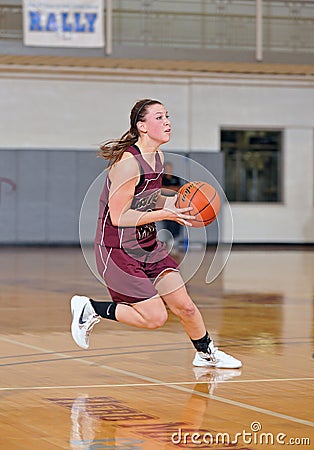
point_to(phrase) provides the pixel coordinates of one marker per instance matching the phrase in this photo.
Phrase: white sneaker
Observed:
(216, 358)
(84, 319)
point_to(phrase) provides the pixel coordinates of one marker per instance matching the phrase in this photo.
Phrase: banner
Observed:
(63, 23)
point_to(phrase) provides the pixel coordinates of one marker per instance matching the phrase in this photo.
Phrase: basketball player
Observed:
(140, 275)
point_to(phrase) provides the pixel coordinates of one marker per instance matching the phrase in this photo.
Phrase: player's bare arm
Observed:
(124, 176)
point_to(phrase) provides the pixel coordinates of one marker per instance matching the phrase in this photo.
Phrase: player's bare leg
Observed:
(173, 291)
(147, 314)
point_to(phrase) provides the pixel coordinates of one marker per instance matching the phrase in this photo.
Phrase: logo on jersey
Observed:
(147, 202)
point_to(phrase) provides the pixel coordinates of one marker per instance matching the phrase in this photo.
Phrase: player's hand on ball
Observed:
(179, 215)
(204, 199)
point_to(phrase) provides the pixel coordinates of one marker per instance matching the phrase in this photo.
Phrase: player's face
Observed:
(157, 125)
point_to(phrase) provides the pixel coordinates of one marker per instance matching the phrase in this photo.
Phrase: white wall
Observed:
(80, 113)
(70, 110)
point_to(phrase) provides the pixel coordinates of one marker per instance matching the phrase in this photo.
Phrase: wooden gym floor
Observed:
(136, 389)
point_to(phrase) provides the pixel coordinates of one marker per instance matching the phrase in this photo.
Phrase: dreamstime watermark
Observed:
(254, 436)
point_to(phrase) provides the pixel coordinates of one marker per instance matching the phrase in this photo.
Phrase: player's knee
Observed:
(157, 321)
(188, 310)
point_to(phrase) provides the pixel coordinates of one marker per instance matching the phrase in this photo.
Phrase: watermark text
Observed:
(254, 436)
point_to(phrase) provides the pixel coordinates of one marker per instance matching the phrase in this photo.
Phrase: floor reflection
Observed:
(87, 432)
(93, 429)
(214, 376)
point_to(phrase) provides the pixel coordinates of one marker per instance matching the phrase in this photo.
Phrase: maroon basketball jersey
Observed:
(145, 197)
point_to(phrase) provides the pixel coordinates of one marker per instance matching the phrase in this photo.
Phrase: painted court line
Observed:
(161, 383)
(173, 386)
(97, 349)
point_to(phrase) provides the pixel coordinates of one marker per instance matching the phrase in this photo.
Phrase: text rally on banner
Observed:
(63, 23)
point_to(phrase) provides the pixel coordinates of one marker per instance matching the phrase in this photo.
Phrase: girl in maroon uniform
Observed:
(140, 275)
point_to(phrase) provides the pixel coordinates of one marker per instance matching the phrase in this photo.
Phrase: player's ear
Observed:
(141, 126)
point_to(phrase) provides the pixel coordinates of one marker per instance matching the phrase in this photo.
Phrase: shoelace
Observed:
(91, 323)
(218, 354)
(211, 356)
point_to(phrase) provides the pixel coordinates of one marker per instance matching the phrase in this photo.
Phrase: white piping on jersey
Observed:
(147, 181)
(121, 237)
(105, 263)
(172, 269)
(103, 229)
(102, 259)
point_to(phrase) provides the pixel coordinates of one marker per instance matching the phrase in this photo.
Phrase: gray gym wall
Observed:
(41, 192)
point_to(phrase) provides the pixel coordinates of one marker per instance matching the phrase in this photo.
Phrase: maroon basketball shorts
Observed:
(130, 276)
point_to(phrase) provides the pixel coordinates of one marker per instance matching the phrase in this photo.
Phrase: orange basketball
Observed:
(204, 200)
